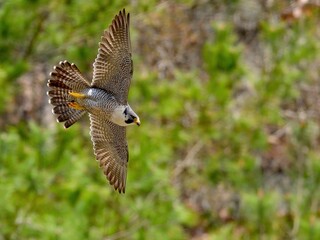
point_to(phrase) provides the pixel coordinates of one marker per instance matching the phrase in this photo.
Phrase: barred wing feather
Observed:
(111, 150)
(112, 69)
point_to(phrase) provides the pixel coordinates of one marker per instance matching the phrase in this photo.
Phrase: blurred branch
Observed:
(37, 30)
(125, 234)
(188, 161)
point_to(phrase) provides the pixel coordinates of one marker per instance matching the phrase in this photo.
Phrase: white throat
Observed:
(118, 116)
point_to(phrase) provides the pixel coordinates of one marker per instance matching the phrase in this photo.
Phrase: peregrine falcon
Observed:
(105, 99)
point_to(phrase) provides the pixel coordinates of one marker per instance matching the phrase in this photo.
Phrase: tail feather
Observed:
(74, 118)
(58, 92)
(61, 109)
(68, 75)
(64, 79)
(57, 84)
(55, 101)
(64, 116)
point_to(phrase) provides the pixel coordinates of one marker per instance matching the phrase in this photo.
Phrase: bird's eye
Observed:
(125, 111)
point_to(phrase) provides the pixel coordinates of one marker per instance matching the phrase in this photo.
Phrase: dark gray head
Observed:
(130, 116)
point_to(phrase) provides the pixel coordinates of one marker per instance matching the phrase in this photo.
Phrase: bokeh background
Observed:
(228, 95)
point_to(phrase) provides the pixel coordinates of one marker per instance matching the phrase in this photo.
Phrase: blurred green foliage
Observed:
(51, 186)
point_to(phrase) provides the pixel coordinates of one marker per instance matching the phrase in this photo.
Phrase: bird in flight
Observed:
(105, 99)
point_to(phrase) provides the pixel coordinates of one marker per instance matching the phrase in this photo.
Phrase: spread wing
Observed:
(112, 69)
(111, 150)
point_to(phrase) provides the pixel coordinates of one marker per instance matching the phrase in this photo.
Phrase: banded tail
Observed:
(65, 79)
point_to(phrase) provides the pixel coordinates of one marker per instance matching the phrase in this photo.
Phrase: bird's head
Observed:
(130, 116)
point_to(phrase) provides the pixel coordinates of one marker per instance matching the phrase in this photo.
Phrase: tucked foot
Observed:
(77, 95)
(75, 105)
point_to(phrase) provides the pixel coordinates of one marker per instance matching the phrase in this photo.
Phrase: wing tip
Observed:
(120, 189)
(116, 181)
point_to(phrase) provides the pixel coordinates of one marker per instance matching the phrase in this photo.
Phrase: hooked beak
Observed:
(136, 121)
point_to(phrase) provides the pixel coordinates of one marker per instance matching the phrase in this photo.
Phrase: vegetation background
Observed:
(228, 94)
